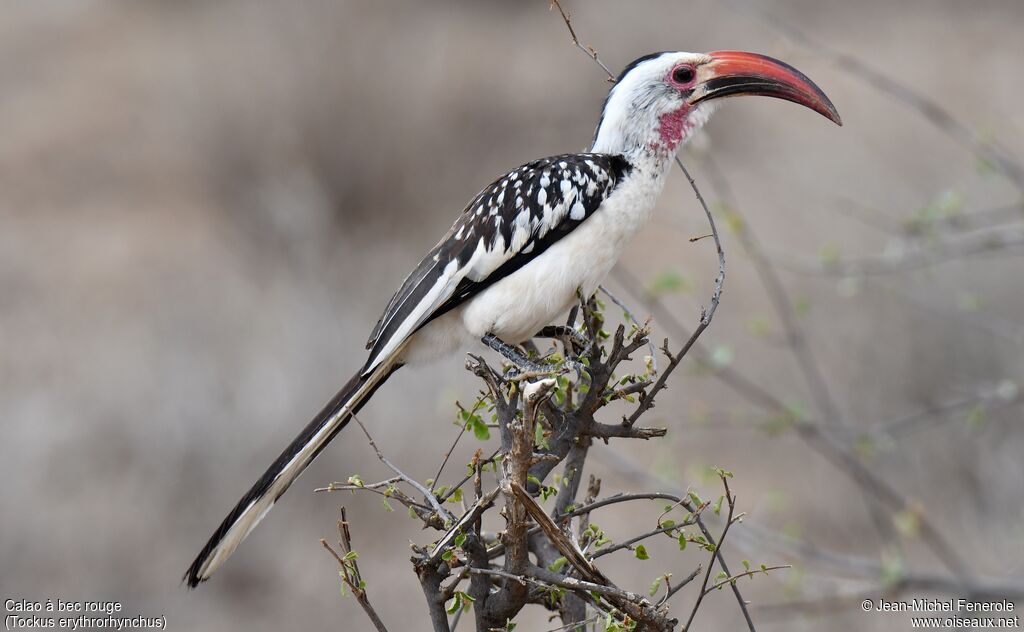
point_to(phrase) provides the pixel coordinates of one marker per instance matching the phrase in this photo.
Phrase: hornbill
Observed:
(528, 243)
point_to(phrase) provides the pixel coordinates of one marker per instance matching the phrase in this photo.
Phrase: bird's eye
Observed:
(682, 74)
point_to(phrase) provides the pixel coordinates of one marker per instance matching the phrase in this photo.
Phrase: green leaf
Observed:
(557, 565)
(460, 539)
(481, 431)
(459, 601)
(655, 585)
(455, 604)
(539, 438)
(456, 496)
(351, 555)
(717, 508)
(746, 564)
(641, 552)
(682, 540)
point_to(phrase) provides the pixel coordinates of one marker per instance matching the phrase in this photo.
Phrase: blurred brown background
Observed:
(204, 207)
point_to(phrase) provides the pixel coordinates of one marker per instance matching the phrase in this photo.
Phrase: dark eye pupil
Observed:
(683, 74)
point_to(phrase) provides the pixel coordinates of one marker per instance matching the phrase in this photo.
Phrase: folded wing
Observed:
(509, 223)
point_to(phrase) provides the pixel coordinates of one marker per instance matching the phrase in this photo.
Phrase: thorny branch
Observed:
(540, 556)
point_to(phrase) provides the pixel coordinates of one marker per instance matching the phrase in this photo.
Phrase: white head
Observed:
(660, 100)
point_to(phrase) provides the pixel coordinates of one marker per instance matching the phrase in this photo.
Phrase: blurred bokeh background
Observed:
(204, 207)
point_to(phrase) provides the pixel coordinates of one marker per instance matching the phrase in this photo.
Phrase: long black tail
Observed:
(283, 472)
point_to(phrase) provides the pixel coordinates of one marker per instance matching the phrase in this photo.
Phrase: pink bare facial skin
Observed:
(672, 126)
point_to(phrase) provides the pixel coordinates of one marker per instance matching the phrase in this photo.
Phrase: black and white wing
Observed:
(506, 225)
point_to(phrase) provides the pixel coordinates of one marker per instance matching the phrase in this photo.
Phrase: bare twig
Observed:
(747, 573)
(589, 51)
(706, 315)
(430, 497)
(632, 318)
(350, 571)
(711, 564)
(448, 455)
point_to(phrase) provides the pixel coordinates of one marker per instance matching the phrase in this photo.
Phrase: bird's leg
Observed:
(581, 345)
(524, 366)
(513, 355)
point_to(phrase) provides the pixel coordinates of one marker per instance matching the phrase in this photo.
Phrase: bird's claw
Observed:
(518, 373)
(522, 368)
(576, 367)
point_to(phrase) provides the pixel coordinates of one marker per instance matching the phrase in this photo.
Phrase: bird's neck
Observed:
(646, 138)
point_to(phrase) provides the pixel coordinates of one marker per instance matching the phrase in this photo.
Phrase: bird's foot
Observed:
(536, 369)
(524, 368)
